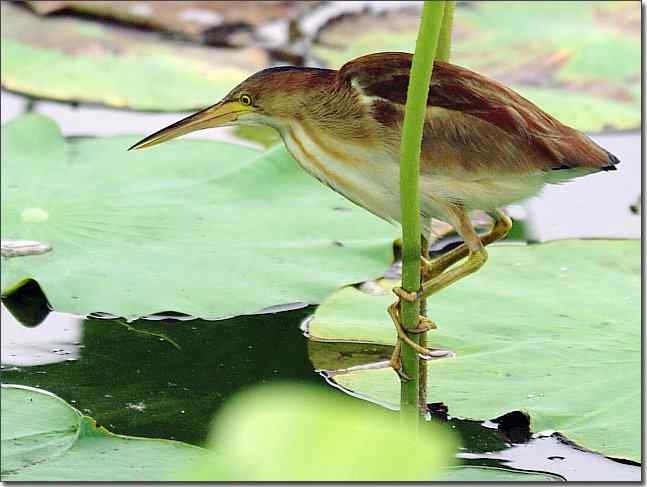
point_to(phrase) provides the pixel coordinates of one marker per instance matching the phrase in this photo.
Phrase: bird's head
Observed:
(270, 97)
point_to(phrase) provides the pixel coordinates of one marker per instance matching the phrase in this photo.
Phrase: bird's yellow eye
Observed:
(245, 100)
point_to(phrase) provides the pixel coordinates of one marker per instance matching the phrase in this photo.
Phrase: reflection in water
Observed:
(57, 341)
(26, 338)
(553, 454)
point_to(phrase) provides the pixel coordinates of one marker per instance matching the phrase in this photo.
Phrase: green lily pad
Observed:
(579, 61)
(45, 439)
(263, 136)
(115, 66)
(200, 227)
(553, 329)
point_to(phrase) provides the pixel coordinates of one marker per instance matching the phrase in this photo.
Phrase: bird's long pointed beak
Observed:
(218, 115)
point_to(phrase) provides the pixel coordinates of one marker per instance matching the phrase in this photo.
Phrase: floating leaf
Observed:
(45, 439)
(198, 227)
(77, 60)
(553, 329)
(579, 61)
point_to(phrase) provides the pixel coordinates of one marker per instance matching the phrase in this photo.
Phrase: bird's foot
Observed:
(405, 295)
(424, 324)
(426, 269)
(396, 363)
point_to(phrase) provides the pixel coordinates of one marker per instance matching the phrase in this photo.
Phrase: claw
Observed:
(425, 269)
(403, 377)
(406, 295)
(424, 324)
(396, 363)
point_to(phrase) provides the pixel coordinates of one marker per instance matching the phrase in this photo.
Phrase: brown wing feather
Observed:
(457, 89)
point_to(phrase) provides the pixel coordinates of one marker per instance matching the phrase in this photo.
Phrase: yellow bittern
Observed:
(484, 146)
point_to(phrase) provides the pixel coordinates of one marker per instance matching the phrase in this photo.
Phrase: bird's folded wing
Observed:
(480, 118)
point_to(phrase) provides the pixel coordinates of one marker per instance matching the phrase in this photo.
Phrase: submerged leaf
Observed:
(553, 329)
(200, 227)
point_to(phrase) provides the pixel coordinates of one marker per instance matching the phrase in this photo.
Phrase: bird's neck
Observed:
(329, 112)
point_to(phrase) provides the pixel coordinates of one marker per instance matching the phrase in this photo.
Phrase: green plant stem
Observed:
(445, 37)
(414, 118)
(442, 54)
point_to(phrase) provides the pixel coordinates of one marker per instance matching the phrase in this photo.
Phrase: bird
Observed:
(484, 147)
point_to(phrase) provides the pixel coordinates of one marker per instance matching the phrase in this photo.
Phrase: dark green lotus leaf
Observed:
(553, 329)
(579, 61)
(82, 61)
(45, 439)
(200, 227)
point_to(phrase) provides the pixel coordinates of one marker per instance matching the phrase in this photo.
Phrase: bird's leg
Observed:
(425, 263)
(424, 325)
(477, 256)
(433, 278)
(500, 229)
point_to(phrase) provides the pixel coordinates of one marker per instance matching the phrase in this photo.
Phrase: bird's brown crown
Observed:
(285, 91)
